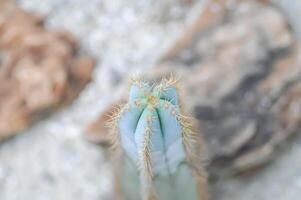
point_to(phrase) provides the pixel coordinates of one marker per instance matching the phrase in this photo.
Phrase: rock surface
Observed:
(39, 69)
(280, 181)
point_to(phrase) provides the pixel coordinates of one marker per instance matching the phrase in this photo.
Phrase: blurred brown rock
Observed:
(39, 69)
(240, 77)
(235, 75)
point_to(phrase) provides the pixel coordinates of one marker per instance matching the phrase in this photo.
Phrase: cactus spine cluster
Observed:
(159, 153)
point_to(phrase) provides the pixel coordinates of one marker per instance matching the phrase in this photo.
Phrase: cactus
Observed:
(158, 152)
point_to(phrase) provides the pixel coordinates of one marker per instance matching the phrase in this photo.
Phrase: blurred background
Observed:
(64, 65)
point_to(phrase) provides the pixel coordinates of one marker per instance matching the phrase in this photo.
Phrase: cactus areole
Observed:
(160, 151)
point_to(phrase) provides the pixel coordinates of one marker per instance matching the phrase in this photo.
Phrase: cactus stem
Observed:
(113, 124)
(166, 83)
(146, 168)
(135, 80)
(149, 119)
(138, 103)
(151, 108)
(190, 142)
(151, 99)
(166, 105)
(151, 131)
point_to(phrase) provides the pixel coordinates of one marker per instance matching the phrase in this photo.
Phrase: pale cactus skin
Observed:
(159, 154)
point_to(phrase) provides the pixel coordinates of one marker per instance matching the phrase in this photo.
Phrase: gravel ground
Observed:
(52, 160)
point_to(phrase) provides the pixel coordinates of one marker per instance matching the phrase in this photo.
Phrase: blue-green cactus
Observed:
(161, 153)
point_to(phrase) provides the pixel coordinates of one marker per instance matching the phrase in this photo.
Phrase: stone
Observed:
(233, 76)
(39, 69)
